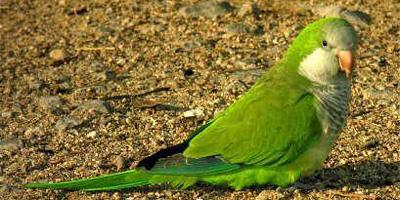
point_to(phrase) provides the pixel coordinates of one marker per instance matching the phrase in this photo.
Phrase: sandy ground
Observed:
(91, 87)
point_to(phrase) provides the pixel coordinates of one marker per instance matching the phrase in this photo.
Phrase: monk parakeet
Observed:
(283, 127)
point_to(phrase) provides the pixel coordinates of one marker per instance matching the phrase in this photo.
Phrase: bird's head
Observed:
(325, 50)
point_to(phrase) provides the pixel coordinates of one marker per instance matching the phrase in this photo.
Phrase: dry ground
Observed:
(91, 87)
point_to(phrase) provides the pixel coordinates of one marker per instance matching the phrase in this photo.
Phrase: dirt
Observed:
(92, 87)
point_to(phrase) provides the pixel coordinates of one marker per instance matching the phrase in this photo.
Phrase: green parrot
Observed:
(283, 128)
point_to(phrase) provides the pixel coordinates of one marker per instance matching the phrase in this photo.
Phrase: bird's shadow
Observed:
(368, 175)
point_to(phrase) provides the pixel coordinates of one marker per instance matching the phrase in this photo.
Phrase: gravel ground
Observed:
(91, 87)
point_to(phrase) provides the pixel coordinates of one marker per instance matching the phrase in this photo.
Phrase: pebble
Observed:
(287, 33)
(121, 61)
(119, 162)
(33, 132)
(62, 2)
(354, 17)
(116, 196)
(248, 8)
(193, 113)
(97, 105)
(191, 45)
(11, 114)
(208, 9)
(247, 76)
(290, 189)
(99, 89)
(92, 134)
(269, 194)
(381, 93)
(96, 66)
(390, 49)
(58, 55)
(237, 28)
(11, 144)
(67, 123)
(106, 75)
(50, 103)
(149, 29)
(36, 84)
(241, 28)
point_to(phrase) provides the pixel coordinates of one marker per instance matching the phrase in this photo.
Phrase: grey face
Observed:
(340, 37)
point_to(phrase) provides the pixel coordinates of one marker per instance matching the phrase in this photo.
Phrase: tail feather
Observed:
(178, 171)
(122, 180)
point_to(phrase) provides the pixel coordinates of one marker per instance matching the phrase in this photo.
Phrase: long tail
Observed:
(178, 171)
(117, 181)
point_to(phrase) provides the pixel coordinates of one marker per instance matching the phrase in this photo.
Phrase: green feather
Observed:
(122, 180)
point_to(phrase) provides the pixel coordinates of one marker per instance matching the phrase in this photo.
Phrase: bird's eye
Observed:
(324, 43)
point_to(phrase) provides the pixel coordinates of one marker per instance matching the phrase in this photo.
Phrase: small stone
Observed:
(36, 84)
(50, 103)
(354, 17)
(96, 66)
(62, 2)
(11, 114)
(97, 105)
(121, 61)
(247, 76)
(333, 11)
(390, 49)
(107, 75)
(290, 189)
(119, 162)
(99, 89)
(237, 28)
(287, 33)
(380, 93)
(248, 8)
(190, 45)
(67, 123)
(193, 113)
(150, 28)
(58, 55)
(269, 194)
(151, 195)
(92, 134)
(116, 196)
(208, 9)
(33, 132)
(109, 10)
(11, 144)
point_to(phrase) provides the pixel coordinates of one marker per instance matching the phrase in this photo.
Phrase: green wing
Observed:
(273, 123)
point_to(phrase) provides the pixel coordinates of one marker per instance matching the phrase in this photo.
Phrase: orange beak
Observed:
(346, 61)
